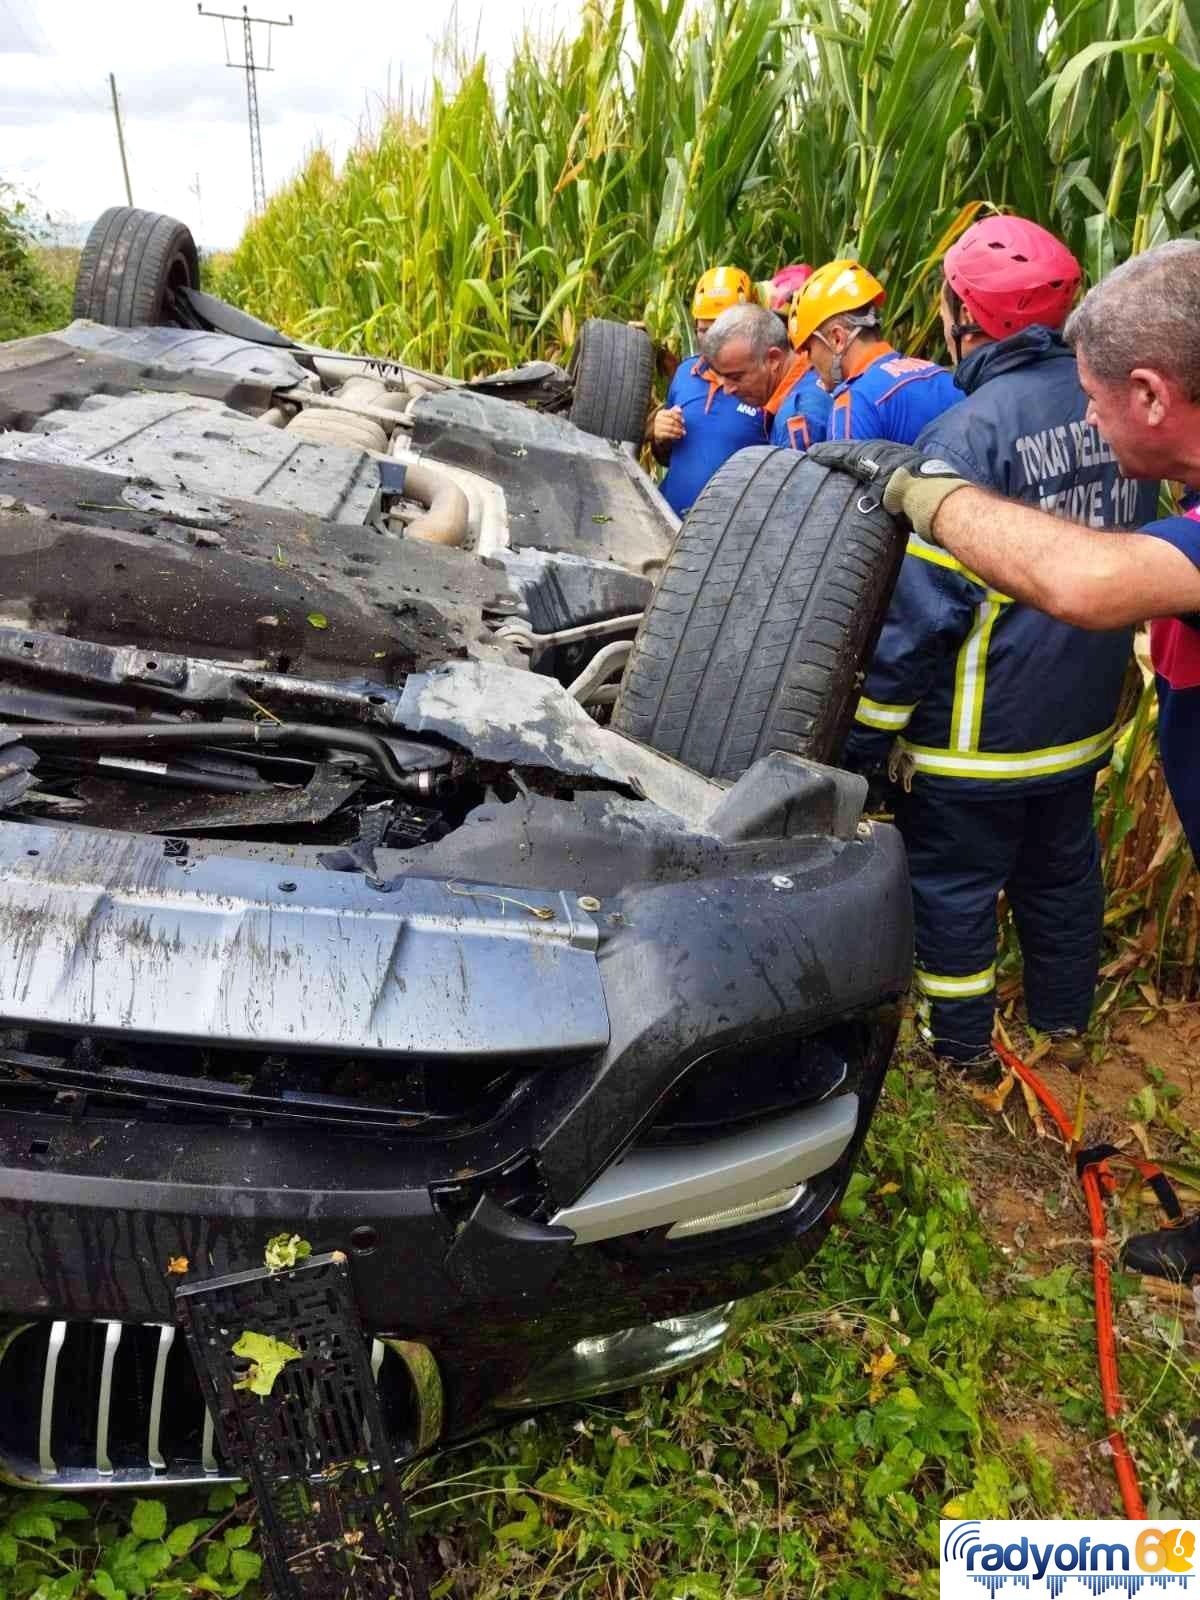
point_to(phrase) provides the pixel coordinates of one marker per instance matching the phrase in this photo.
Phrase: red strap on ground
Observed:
(1106, 1339)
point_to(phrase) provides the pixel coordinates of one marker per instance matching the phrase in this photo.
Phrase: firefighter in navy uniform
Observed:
(996, 716)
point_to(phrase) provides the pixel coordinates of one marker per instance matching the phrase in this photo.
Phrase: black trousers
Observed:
(963, 848)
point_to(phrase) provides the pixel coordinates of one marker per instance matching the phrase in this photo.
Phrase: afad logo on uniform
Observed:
(1069, 1558)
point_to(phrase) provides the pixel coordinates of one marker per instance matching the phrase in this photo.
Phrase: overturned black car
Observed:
(412, 840)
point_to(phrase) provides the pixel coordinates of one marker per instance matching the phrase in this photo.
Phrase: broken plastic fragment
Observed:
(285, 1250)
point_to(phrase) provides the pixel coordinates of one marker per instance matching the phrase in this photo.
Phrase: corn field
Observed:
(600, 173)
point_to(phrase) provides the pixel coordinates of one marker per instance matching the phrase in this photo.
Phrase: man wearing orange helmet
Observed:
(877, 392)
(1002, 716)
(701, 424)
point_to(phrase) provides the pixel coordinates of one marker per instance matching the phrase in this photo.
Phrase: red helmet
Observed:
(1009, 273)
(784, 285)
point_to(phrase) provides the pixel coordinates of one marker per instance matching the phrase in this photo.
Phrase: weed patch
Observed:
(912, 1369)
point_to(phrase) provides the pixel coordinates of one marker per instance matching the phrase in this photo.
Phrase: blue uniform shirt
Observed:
(892, 397)
(717, 424)
(1175, 651)
(801, 417)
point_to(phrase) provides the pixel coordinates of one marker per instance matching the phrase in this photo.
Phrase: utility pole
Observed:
(194, 188)
(248, 66)
(112, 84)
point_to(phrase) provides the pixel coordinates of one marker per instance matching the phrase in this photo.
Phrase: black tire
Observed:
(612, 368)
(767, 609)
(132, 262)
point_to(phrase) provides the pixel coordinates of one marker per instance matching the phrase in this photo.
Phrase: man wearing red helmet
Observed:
(1137, 339)
(1001, 716)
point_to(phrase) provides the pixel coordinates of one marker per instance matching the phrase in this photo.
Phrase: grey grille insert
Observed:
(92, 1405)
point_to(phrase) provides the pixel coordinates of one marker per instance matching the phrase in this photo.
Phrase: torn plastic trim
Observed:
(519, 718)
(522, 719)
(653, 1188)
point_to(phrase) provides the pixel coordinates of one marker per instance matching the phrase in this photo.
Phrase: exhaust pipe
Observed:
(444, 521)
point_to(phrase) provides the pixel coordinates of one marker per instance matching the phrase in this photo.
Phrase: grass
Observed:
(35, 284)
(915, 1368)
(605, 169)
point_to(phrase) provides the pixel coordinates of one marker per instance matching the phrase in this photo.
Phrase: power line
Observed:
(83, 96)
(247, 65)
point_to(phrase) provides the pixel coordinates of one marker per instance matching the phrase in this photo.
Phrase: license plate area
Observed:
(315, 1449)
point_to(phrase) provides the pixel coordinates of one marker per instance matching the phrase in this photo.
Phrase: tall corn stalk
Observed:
(608, 168)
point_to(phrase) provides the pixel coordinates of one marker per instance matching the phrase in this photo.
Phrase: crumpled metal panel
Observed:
(522, 718)
(183, 441)
(171, 350)
(103, 932)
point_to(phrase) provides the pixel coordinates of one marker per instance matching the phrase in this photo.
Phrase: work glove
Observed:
(913, 484)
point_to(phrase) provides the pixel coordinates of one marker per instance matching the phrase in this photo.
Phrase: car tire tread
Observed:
(613, 370)
(766, 610)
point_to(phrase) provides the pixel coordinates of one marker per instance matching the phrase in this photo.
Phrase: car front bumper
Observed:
(562, 1243)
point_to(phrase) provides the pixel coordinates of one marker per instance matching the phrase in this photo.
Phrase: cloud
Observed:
(185, 111)
(19, 39)
(182, 93)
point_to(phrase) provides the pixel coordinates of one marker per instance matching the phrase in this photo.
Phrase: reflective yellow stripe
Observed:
(933, 553)
(942, 987)
(937, 557)
(970, 676)
(998, 765)
(878, 715)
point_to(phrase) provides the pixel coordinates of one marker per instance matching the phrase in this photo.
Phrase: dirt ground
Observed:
(1026, 1188)
(1031, 1203)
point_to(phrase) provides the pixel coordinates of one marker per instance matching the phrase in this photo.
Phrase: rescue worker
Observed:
(779, 291)
(1136, 337)
(1004, 715)
(701, 424)
(877, 393)
(749, 348)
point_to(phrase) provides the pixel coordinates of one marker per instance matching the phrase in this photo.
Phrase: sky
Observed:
(184, 111)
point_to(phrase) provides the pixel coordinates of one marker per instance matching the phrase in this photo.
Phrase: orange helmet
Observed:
(836, 287)
(718, 289)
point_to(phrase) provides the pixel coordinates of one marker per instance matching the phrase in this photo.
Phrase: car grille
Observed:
(90, 1405)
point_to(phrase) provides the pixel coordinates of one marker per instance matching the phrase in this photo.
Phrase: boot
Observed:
(1166, 1253)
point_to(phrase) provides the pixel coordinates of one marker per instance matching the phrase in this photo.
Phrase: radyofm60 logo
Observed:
(1068, 1558)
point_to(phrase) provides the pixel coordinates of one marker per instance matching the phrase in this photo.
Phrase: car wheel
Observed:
(612, 368)
(131, 264)
(769, 605)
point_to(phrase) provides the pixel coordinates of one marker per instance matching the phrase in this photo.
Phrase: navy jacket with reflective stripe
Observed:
(980, 690)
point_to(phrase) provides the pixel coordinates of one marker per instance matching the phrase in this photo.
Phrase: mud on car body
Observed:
(412, 840)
